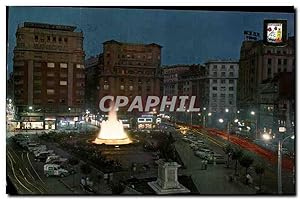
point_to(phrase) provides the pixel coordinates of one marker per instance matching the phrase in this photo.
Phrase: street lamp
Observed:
(221, 120)
(227, 110)
(204, 118)
(267, 136)
(252, 113)
(238, 112)
(30, 107)
(204, 108)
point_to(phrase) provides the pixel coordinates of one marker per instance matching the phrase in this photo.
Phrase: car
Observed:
(55, 170)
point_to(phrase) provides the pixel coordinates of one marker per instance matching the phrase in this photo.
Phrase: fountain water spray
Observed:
(112, 131)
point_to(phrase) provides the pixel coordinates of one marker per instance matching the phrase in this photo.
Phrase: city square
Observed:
(158, 106)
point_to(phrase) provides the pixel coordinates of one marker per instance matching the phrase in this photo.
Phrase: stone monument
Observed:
(167, 180)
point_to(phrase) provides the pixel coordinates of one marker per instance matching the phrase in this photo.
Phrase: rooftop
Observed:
(126, 43)
(49, 26)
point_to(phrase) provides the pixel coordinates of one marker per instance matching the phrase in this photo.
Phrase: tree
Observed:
(246, 161)
(73, 162)
(228, 151)
(236, 155)
(85, 169)
(118, 188)
(259, 170)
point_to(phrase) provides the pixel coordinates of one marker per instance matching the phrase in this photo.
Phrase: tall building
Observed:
(170, 78)
(185, 80)
(93, 66)
(48, 67)
(259, 66)
(130, 70)
(221, 88)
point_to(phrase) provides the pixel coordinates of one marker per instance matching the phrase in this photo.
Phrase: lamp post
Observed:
(267, 136)
(256, 125)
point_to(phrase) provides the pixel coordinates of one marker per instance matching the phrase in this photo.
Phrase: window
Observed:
(54, 39)
(279, 61)
(231, 81)
(121, 87)
(231, 67)
(50, 65)
(50, 83)
(269, 61)
(215, 88)
(230, 88)
(223, 66)
(215, 74)
(50, 91)
(214, 95)
(231, 95)
(215, 81)
(37, 92)
(62, 82)
(63, 65)
(50, 74)
(62, 101)
(223, 81)
(66, 40)
(63, 75)
(48, 38)
(279, 70)
(36, 38)
(231, 74)
(285, 61)
(222, 95)
(60, 40)
(79, 66)
(223, 88)
(130, 87)
(106, 87)
(269, 71)
(223, 74)
(51, 101)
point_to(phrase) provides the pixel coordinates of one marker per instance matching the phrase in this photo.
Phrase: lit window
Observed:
(50, 65)
(122, 87)
(63, 83)
(130, 87)
(63, 65)
(106, 87)
(50, 91)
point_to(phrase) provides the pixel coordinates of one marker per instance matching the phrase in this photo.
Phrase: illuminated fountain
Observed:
(112, 131)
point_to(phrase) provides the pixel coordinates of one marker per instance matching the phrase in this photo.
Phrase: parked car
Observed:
(55, 170)
(43, 155)
(55, 158)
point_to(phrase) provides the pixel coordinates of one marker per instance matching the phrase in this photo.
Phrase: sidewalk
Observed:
(214, 179)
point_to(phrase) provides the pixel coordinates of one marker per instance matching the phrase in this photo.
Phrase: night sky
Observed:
(187, 36)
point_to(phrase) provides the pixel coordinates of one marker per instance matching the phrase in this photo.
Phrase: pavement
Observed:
(214, 180)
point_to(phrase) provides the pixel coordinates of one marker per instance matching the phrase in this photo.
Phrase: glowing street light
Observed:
(252, 113)
(236, 120)
(226, 110)
(238, 112)
(69, 109)
(221, 120)
(280, 143)
(30, 107)
(209, 114)
(204, 108)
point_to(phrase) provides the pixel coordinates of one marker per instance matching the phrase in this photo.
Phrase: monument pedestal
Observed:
(167, 180)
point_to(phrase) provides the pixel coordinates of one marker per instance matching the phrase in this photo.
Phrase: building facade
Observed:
(48, 67)
(130, 70)
(259, 69)
(93, 66)
(221, 86)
